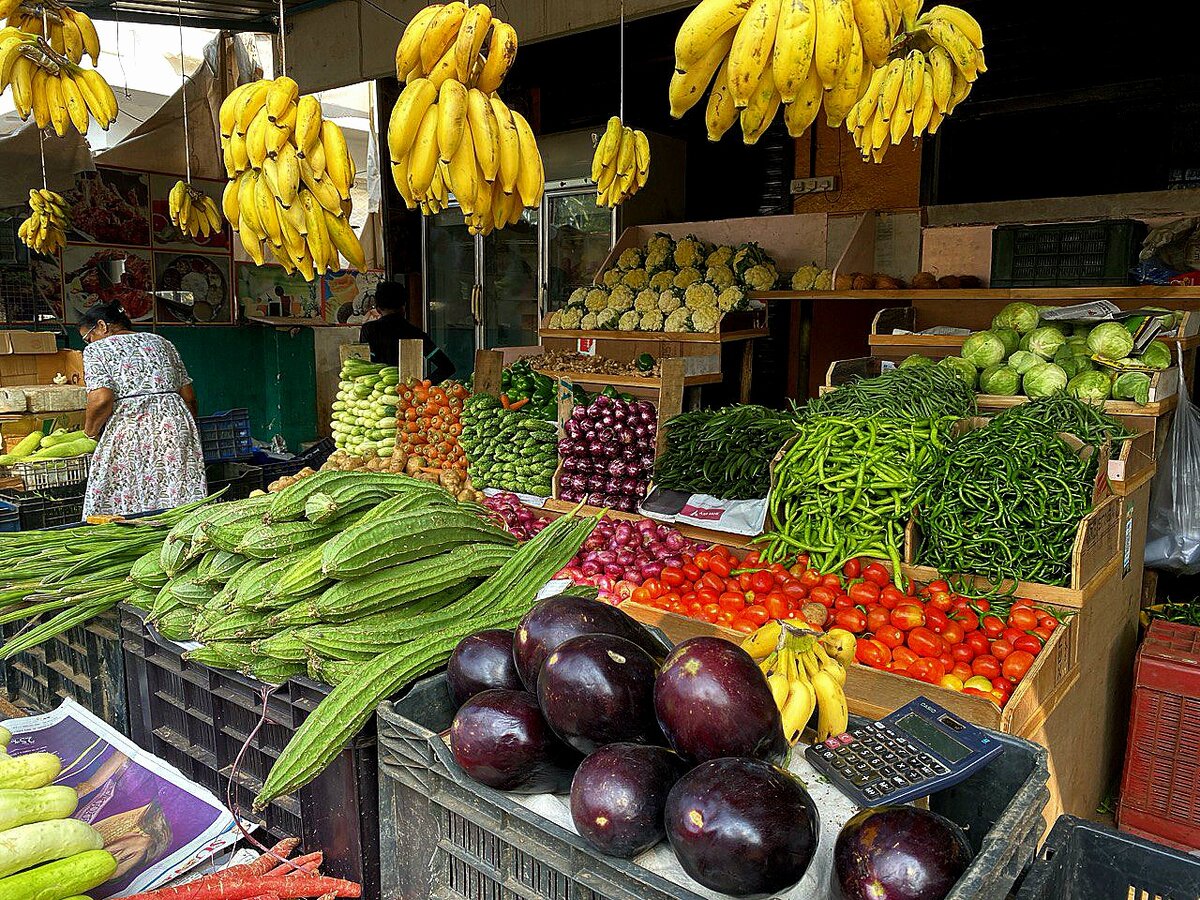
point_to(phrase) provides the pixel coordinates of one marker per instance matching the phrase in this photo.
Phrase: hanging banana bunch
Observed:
(920, 87)
(621, 163)
(290, 175)
(69, 32)
(193, 212)
(450, 132)
(45, 230)
(50, 86)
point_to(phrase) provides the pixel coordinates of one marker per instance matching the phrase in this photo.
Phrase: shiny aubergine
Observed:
(500, 739)
(482, 662)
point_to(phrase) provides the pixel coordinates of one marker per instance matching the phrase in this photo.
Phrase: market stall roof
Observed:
(231, 15)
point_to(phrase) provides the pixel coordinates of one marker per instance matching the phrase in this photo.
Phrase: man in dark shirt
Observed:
(385, 333)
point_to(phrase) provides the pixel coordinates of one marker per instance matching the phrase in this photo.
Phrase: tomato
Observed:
(751, 559)
(987, 666)
(688, 597)
(907, 616)
(778, 570)
(992, 626)
(976, 692)
(757, 614)
(999, 698)
(979, 683)
(672, 576)
(726, 617)
(833, 582)
(704, 595)
(710, 612)
(801, 564)
(640, 595)
(796, 593)
(732, 602)
(898, 667)
(1043, 633)
(873, 653)
(720, 550)
(935, 619)
(952, 634)
(941, 586)
(762, 582)
(942, 601)
(977, 641)
(951, 681)
(776, 605)
(1029, 643)
(746, 581)
(719, 565)
(984, 605)
(810, 579)
(852, 568)
(961, 671)
(890, 636)
(653, 586)
(1001, 648)
(927, 670)
(967, 619)
(1023, 617)
(852, 620)
(877, 617)
(843, 601)
(693, 607)
(1048, 622)
(1003, 685)
(877, 574)
(822, 595)
(962, 652)
(691, 572)
(744, 625)
(904, 656)
(701, 560)
(864, 593)
(924, 642)
(891, 597)
(1017, 664)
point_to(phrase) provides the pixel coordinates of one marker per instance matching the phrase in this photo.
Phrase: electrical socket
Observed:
(819, 185)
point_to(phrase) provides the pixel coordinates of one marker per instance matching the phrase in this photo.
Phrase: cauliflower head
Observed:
(660, 258)
(660, 241)
(705, 319)
(690, 251)
(761, 277)
(555, 320)
(570, 318)
(578, 296)
(680, 320)
(805, 277)
(636, 279)
(629, 320)
(612, 278)
(588, 322)
(686, 276)
(731, 299)
(620, 299)
(824, 281)
(669, 301)
(651, 321)
(721, 256)
(646, 301)
(630, 259)
(597, 299)
(720, 276)
(700, 296)
(660, 281)
(607, 319)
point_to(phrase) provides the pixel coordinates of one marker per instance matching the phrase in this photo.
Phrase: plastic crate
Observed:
(10, 519)
(1067, 254)
(239, 479)
(48, 473)
(198, 718)
(48, 508)
(84, 663)
(1085, 861)
(449, 837)
(314, 457)
(1160, 787)
(226, 435)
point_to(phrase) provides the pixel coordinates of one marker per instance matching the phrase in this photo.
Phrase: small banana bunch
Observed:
(621, 163)
(805, 672)
(290, 178)
(51, 87)
(193, 212)
(71, 33)
(916, 90)
(45, 230)
(453, 40)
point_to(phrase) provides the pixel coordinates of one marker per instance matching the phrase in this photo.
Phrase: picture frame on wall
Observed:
(348, 296)
(193, 289)
(270, 292)
(110, 207)
(95, 274)
(166, 236)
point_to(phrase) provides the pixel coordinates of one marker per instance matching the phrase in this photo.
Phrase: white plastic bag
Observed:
(1173, 538)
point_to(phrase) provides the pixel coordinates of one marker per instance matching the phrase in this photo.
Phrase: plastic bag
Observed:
(1173, 538)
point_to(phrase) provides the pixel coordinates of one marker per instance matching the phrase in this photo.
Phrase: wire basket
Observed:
(48, 473)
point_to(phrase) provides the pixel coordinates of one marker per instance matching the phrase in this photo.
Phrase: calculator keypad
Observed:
(879, 762)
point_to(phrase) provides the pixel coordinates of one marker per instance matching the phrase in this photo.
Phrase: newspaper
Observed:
(741, 517)
(156, 822)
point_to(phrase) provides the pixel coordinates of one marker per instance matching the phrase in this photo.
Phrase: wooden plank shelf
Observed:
(1067, 295)
(682, 337)
(649, 382)
(1112, 407)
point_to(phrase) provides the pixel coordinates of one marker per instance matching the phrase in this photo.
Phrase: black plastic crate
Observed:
(1082, 860)
(314, 457)
(449, 837)
(239, 479)
(198, 718)
(49, 507)
(226, 435)
(84, 663)
(1066, 254)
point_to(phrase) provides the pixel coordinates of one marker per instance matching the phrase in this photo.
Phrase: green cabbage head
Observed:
(1110, 340)
(1092, 386)
(1000, 379)
(1020, 317)
(1046, 341)
(1044, 380)
(983, 349)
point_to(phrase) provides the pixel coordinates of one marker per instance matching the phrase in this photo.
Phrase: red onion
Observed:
(514, 516)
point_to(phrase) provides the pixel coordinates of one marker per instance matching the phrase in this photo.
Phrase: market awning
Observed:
(231, 15)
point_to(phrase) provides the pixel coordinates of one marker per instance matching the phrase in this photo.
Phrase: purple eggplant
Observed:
(742, 826)
(500, 739)
(482, 662)
(618, 796)
(898, 853)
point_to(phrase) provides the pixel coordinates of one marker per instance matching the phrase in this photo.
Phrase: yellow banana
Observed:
(318, 230)
(935, 120)
(248, 203)
(704, 26)
(281, 96)
(909, 11)
(942, 68)
(72, 39)
(959, 89)
(880, 132)
(471, 34)
(642, 154)
(797, 710)
(441, 34)
(39, 101)
(839, 644)
(483, 128)
(256, 139)
(253, 98)
(959, 18)
(763, 642)
(87, 32)
(795, 38)
(57, 106)
(452, 117)
(610, 143)
(688, 86)
(408, 50)
(103, 93)
(924, 108)
(962, 51)
(229, 203)
(307, 133)
(913, 81)
(870, 97)
(874, 18)
(750, 54)
(10, 51)
(423, 159)
(91, 107)
(462, 169)
(338, 165)
(531, 179)
(407, 114)
(287, 174)
(764, 104)
(780, 689)
(341, 235)
(627, 154)
(831, 52)
(400, 177)
(833, 717)
(509, 144)
(802, 112)
(502, 53)
(844, 94)
(321, 188)
(720, 114)
(889, 91)
(268, 211)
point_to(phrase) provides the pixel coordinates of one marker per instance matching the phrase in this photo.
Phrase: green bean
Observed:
(916, 392)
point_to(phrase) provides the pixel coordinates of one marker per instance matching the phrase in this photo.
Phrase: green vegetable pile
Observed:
(724, 453)
(364, 412)
(520, 382)
(1069, 415)
(911, 391)
(38, 447)
(509, 449)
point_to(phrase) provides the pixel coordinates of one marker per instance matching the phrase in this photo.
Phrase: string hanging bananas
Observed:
(51, 87)
(290, 176)
(621, 163)
(71, 33)
(45, 230)
(193, 212)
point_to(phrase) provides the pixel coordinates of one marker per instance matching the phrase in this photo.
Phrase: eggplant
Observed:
(559, 618)
(500, 739)
(713, 701)
(482, 662)
(619, 794)
(742, 826)
(598, 689)
(898, 853)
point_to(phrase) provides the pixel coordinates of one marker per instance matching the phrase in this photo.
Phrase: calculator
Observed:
(918, 750)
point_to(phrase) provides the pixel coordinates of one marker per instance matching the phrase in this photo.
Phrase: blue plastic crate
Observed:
(10, 518)
(226, 435)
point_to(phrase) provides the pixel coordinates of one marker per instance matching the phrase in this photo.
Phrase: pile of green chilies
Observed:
(1005, 503)
(1062, 413)
(724, 453)
(918, 392)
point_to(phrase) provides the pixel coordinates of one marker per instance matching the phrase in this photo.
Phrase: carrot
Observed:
(504, 401)
(243, 888)
(518, 404)
(300, 865)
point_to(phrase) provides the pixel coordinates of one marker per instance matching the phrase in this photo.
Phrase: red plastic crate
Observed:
(1160, 790)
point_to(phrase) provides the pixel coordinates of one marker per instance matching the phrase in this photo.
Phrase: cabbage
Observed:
(1082, 331)
(1046, 341)
(1044, 380)
(1000, 379)
(1023, 344)
(1110, 340)
(1020, 317)
(1023, 361)
(916, 360)
(1133, 386)
(1092, 386)
(1008, 337)
(1156, 356)
(983, 349)
(965, 370)
(1078, 346)
(1074, 365)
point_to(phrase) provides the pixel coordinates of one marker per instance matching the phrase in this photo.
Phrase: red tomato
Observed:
(987, 666)
(977, 641)
(962, 652)
(653, 586)
(732, 602)
(1017, 664)
(712, 581)
(1048, 622)
(1030, 643)
(707, 595)
(822, 595)
(701, 560)
(941, 600)
(1003, 685)
(961, 671)
(904, 656)
(776, 604)
(1023, 617)
(967, 619)
(640, 595)
(1043, 633)
(843, 601)
(1011, 634)
(865, 593)
(930, 671)
(975, 692)
(890, 636)
(757, 614)
(797, 593)
(877, 617)
(992, 626)
(833, 582)
(810, 578)
(907, 616)
(719, 565)
(762, 582)
(852, 620)
(688, 597)
(801, 564)
(726, 617)
(746, 581)
(751, 559)
(935, 619)
(852, 568)
(672, 576)
(939, 586)
(1001, 649)
(692, 572)
(873, 653)
(898, 667)
(952, 634)
(985, 605)
(946, 660)
(891, 597)
(694, 607)
(744, 625)
(877, 574)
(710, 612)
(924, 642)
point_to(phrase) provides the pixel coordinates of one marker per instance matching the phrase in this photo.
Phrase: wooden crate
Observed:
(1134, 463)
(1135, 518)
(626, 346)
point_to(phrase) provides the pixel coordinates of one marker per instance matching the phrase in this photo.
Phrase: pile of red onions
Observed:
(608, 453)
(619, 555)
(516, 518)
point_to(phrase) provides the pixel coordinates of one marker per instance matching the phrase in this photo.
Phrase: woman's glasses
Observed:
(87, 334)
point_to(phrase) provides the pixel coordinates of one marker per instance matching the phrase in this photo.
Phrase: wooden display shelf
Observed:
(649, 382)
(683, 337)
(556, 508)
(1112, 407)
(1066, 294)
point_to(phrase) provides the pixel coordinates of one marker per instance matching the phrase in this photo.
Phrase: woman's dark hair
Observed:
(390, 297)
(109, 313)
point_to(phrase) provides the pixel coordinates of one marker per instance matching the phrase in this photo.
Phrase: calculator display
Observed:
(937, 741)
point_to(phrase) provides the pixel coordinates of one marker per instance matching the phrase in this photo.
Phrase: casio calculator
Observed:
(918, 750)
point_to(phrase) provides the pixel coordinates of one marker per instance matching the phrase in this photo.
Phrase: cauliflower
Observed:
(578, 296)
(646, 301)
(719, 277)
(722, 256)
(651, 321)
(700, 296)
(588, 322)
(607, 319)
(824, 281)
(761, 277)
(555, 320)
(686, 276)
(630, 259)
(571, 317)
(659, 258)
(636, 279)
(705, 319)
(629, 320)
(620, 299)
(732, 298)
(612, 278)
(660, 281)
(659, 242)
(805, 277)
(690, 251)
(680, 320)
(669, 301)
(597, 299)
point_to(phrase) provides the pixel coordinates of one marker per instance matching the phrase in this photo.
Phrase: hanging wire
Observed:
(282, 43)
(42, 131)
(120, 59)
(621, 111)
(187, 140)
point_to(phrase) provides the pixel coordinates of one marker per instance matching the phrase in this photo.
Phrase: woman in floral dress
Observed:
(141, 409)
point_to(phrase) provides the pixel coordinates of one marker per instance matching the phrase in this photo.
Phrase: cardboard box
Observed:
(19, 370)
(22, 342)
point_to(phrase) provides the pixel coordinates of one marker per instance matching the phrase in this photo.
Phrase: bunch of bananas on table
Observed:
(450, 132)
(69, 32)
(806, 671)
(50, 85)
(914, 92)
(803, 55)
(193, 212)
(290, 177)
(621, 163)
(45, 229)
